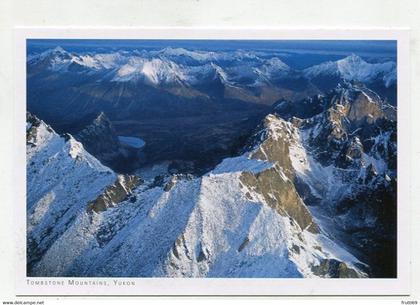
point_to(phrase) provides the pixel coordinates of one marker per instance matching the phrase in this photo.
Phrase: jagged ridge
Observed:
(225, 223)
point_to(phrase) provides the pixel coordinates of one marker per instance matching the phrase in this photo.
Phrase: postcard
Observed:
(212, 162)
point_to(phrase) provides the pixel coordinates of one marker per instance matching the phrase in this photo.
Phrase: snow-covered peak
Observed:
(179, 65)
(42, 140)
(158, 71)
(220, 73)
(38, 134)
(276, 126)
(271, 70)
(353, 59)
(52, 55)
(60, 60)
(56, 50)
(59, 49)
(205, 56)
(196, 55)
(101, 118)
(154, 71)
(76, 149)
(275, 63)
(353, 67)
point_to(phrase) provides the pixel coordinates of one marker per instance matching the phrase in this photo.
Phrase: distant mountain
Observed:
(151, 94)
(382, 77)
(162, 68)
(169, 65)
(101, 140)
(59, 60)
(355, 68)
(184, 74)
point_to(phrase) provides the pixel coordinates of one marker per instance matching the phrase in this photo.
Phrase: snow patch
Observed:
(241, 164)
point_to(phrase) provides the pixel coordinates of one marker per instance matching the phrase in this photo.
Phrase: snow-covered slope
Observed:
(242, 219)
(61, 178)
(242, 227)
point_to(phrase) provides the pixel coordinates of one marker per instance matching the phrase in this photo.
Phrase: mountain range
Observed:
(181, 163)
(194, 103)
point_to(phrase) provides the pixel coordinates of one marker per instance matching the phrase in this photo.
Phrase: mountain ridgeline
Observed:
(178, 163)
(192, 106)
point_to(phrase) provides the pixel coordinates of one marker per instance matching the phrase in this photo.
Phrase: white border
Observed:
(188, 286)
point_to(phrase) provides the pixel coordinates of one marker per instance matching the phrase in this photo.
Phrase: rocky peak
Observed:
(352, 111)
(351, 154)
(364, 110)
(59, 49)
(102, 119)
(101, 122)
(353, 59)
(100, 139)
(31, 120)
(271, 143)
(50, 57)
(36, 129)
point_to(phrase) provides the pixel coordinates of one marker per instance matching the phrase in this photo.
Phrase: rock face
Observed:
(244, 218)
(333, 268)
(275, 184)
(115, 193)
